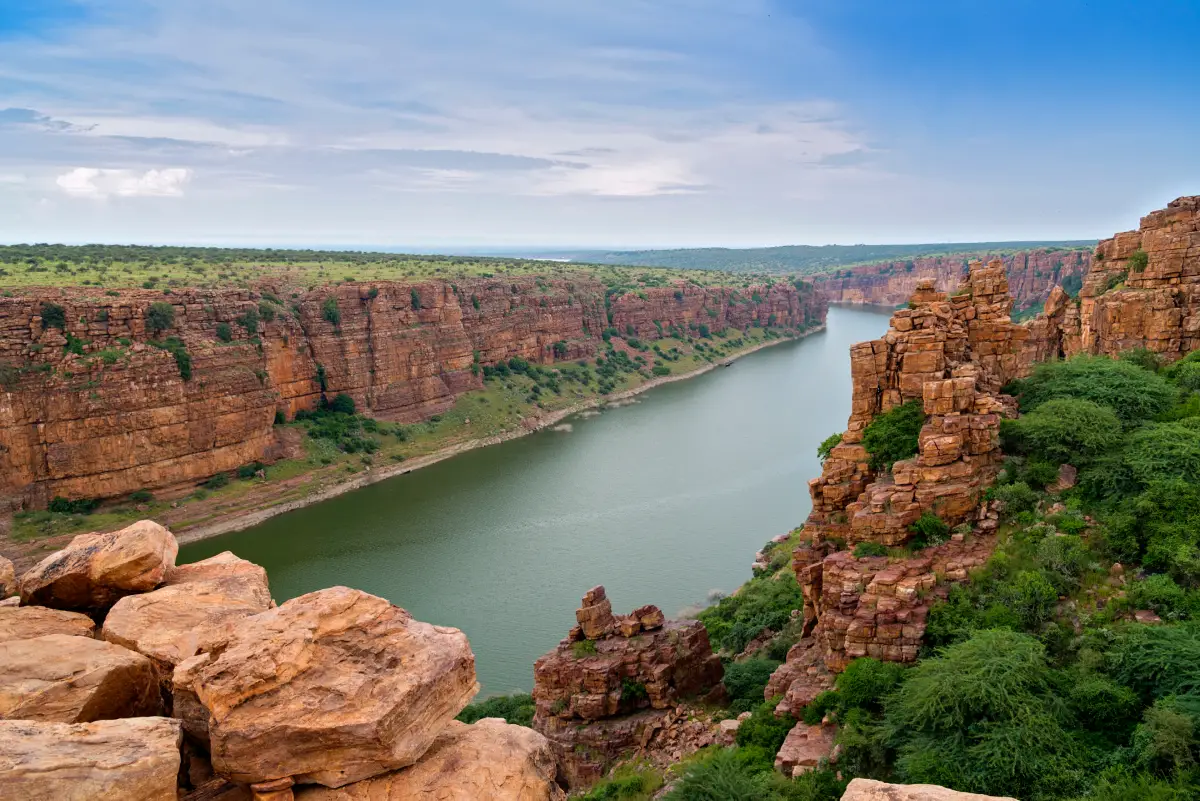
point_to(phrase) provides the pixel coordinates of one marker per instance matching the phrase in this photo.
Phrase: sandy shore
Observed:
(241, 520)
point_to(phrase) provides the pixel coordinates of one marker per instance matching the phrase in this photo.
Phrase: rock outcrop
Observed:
(330, 688)
(96, 570)
(63, 679)
(489, 759)
(191, 612)
(1141, 291)
(1032, 276)
(871, 790)
(8, 579)
(805, 748)
(134, 759)
(615, 681)
(98, 405)
(26, 622)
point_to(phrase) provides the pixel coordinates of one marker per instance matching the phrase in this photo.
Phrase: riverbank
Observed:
(294, 485)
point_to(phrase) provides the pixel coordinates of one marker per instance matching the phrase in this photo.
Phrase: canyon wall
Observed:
(1142, 290)
(1031, 276)
(93, 404)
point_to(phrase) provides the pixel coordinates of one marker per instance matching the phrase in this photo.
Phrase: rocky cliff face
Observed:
(94, 404)
(1141, 291)
(1031, 276)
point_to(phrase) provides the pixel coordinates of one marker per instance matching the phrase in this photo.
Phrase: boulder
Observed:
(134, 759)
(490, 760)
(871, 790)
(186, 615)
(330, 688)
(63, 679)
(24, 622)
(8, 579)
(96, 570)
(804, 749)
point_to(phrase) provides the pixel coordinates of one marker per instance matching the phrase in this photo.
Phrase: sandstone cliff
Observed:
(1031, 277)
(96, 404)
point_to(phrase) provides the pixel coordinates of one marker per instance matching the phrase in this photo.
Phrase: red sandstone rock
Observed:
(330, 688)
(8, 579)
(805, 748)
(26, 622)
(871, 790)
(95, 570)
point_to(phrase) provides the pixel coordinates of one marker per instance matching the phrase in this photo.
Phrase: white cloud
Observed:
(100, 184)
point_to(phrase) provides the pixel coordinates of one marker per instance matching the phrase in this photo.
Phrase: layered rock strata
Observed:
(615, 681)
(1032, 275)
(96, 404)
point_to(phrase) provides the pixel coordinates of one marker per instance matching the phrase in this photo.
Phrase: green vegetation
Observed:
(183, 359)
(764, 602)
(827, 445)
(516, 709)
(893, 435)
(1138, 261)
(160, 317)
(53, 316)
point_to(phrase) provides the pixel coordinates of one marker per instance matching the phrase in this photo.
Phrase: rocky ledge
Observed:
(200, 688)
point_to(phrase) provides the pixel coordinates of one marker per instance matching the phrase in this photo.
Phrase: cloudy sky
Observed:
(609, 123)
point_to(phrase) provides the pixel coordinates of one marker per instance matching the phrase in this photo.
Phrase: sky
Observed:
(592, 123)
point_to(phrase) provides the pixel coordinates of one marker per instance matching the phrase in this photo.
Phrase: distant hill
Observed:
(800, 258)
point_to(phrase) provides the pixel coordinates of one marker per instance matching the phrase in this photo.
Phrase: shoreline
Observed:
(238, 522)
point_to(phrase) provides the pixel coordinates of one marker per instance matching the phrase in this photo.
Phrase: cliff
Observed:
(1031, 276)
(1142, 290)
(98, 401)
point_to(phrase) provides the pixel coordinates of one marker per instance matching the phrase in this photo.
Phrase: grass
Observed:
(498, 409)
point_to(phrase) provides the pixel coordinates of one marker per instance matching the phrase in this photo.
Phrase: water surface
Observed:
(661, 501)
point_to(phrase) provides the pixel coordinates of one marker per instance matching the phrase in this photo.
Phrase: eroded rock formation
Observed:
(96, 405)
(615, 682)
(1032, 275)
(871, 790)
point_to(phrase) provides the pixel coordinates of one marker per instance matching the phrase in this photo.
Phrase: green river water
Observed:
(662, 501)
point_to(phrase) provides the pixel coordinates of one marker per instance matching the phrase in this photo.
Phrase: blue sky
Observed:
(620, 123)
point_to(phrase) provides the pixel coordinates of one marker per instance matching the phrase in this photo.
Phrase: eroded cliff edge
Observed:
(102, 398)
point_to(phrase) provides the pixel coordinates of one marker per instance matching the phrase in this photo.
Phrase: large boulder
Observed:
(96, 570)
(871, 790)
(25, 622)
(8, 579)
(186, 615)
(490, 759)
(135, 759)
(331, 688)
(63, 679)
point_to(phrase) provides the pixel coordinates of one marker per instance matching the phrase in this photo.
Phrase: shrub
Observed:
(1145, 359)
(249, 321)
(893, 435)
(929, 529)
(1071, 430)
(746, 681)
(583, 648)
(723, 775)
(342, 404)
(249, 470)
(1015, 498)
(1164, 452)
(1156, 661)
(827, 445)
(1161, 595)
(1138, 260)
(183, 359)
(330, 310)
(141, 496)
(633, 692)
(516, 709)
(1165, 742)
(1131, 392)
(160, 317)
(661, 370)
(266, 311)
(764, 729)
(79, 506)
(53, 316)
(1064, 560)
(762, 603)
(864, 549)
(416, 300)
(866, 682)
(625, 783)
(217, 481)
(224, 332)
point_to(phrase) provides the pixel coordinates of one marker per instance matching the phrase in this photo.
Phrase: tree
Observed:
(160, 317)
(224, 332)
(342, 404)
(1133, 393)
(53, 316)
(1071, 430)
(894, 435)
(827, 445)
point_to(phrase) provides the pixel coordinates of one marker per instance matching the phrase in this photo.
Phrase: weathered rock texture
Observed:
(805, 748)
(8, 579)
(96, 570)
(134, 759)
(330, 688)
(1031, 277)
(611, 685)
(63, 679)
(1120, 308)
(26, 622)
(486, 760)
(871, 790)
(191, 612)
(121, 417)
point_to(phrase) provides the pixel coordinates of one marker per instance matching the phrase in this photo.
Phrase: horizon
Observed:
(522, 124)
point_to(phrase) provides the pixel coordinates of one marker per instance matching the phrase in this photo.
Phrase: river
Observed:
(662, 501)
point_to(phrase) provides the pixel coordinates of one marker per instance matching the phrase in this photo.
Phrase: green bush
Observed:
(827, 445)
(1156, 661)
(160, 317)
(1165, 742)
(342, 404)
(217, 481)
(763, 602)
(1122, 784)
(330, 310)
(249, 470)
(141, 496)
(928, 530)
(416, 300)
(249, 321)
(1145, 359)
(983, 717)
(53, 316)
(867, 681)
(183, 359)
(661, 370)
(266, 311)
(224, 332)
(764, 729)
(1015, 498)
(1138, 260)
(583, 648)
(893, 435)
(517, 709)
(1131, 392)
(1164, 452)
(625, 783)
(747, 681)
(724, 774)
(1071, 430)
(1161, 595)
(79, 506)
(865, 549)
